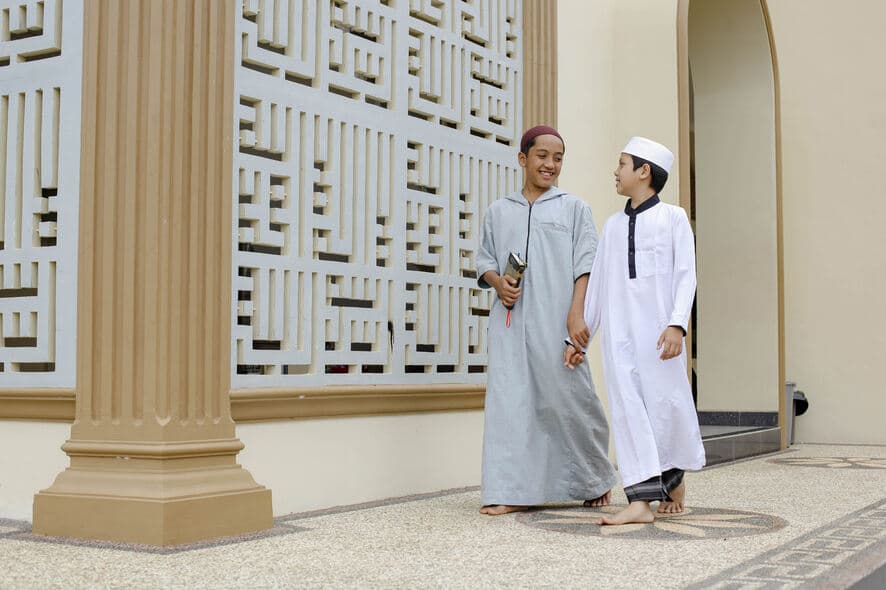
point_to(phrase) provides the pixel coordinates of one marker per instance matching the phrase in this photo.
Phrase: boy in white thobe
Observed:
(640, 295)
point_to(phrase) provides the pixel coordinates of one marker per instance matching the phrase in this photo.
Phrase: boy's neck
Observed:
(532, 193)
(645, 195)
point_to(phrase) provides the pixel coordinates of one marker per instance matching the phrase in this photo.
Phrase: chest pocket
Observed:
(552, 226)
(655, 255)
(554, 235)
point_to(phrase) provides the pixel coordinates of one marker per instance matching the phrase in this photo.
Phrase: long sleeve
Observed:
(486, 259)
(684, 271)
(594, 295)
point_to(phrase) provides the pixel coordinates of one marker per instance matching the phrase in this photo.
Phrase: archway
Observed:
(730, 184)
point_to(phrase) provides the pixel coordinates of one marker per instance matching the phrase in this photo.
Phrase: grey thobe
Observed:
(545, 437)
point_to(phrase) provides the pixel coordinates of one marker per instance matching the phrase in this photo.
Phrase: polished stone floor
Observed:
(811, 517)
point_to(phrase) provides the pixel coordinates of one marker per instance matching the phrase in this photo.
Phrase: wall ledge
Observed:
(50, 404)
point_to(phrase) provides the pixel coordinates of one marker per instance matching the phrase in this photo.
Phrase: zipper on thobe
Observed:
(525, 257)
(528, 221)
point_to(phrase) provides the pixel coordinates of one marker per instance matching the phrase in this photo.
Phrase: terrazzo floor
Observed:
(811, 517)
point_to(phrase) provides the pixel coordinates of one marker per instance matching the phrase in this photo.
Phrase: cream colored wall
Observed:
(30, 460)
(735, 206)
(833, 114)
(324, 462)
(832, 124)
(617, 78)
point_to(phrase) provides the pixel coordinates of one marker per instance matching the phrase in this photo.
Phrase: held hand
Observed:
(578, 329)
(507, 290)
(572, 357)
(670, 343)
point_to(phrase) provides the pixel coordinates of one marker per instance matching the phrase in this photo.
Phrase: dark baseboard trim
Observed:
(726, 418)
(727, 448)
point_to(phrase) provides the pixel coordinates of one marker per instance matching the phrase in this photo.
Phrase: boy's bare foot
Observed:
(599, 502)
(678, 495)
(635, 512)
(499, 509)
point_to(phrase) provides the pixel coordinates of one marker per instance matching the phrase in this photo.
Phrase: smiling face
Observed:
(543, 162)
(628, 181)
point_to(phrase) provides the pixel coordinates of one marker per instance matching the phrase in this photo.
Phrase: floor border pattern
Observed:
(838, 554)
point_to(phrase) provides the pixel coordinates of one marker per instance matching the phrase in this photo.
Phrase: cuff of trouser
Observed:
(656, 488)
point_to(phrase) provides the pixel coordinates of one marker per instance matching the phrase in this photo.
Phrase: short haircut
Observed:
(531, 143)
(528, 146)
(659, 176)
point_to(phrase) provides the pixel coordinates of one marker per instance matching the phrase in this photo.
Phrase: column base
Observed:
(152, 522)
(165, 495)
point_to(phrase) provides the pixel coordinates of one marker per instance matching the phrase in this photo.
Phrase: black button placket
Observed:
(632, 226)
(632, 263)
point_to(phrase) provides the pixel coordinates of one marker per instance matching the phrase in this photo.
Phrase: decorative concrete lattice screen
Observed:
(41, 63)
(372, 136)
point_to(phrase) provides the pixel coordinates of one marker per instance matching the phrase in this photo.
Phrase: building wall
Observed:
(370, 144)
(618, 65)
(833, 121)
(618, 77)
(30, 460)
(40, 122)
(371, 137)
(312, 464)
(40, 88)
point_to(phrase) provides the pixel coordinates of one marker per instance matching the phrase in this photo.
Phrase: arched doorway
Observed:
(730, 185)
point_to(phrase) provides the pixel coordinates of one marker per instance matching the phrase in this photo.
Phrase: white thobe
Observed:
(654, 423)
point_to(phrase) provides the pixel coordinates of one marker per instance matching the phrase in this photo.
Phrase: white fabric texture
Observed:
(654, 423)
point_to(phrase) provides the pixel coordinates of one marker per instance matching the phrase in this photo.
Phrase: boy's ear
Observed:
(645, 171)
(521, 159)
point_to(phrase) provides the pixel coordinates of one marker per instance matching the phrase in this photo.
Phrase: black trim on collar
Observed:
(647, 204)
(632, 222)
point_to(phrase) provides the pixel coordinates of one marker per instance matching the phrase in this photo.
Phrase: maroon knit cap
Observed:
(535, 132)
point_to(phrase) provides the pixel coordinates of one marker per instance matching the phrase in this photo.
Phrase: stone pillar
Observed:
(539, 63)
(153, 448)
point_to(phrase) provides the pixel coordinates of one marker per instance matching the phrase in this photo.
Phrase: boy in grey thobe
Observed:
(546, 437)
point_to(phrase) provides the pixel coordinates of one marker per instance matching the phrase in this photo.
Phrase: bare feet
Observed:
(678, 494)
(635, 512)
(598, 502)
(499, 509)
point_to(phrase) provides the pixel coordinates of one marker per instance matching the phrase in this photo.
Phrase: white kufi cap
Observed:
(652, 151)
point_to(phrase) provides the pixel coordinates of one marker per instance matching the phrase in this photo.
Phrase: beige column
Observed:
(539, 63)
(153, 448)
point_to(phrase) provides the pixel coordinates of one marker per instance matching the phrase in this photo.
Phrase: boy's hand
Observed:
(572, 357)
(670, 343)
(507, 290)
(578, 329)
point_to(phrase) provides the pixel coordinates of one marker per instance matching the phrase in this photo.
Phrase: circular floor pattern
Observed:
(694, 523)
(834, 462)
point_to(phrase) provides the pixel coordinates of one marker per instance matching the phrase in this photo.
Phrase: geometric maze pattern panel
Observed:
(40, 82)
(372, 134)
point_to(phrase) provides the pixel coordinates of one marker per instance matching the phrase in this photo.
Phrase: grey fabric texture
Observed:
(546, 437)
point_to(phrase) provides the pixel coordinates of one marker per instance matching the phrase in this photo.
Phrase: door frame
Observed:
(683, 94)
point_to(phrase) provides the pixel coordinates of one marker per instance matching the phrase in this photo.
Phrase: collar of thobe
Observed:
(551, 193)
(645, 206)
